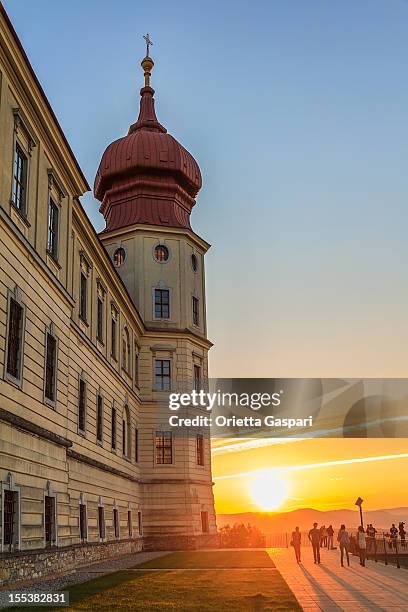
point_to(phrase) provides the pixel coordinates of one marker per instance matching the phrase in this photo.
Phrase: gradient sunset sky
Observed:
(297, 113)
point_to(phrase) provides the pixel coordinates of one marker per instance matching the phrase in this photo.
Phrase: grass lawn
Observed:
(191, 581)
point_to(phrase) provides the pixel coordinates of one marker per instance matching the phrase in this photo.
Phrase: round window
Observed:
(161, 253)
(119, 257)
(194, 262)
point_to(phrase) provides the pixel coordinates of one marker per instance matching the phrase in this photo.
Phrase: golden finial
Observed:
(147, 63)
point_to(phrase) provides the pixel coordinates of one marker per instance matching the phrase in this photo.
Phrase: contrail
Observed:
(310, 466)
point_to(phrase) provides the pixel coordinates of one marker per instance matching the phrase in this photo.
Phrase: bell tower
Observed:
(147, 183)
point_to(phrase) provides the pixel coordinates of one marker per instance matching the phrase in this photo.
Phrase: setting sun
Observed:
(268, 490)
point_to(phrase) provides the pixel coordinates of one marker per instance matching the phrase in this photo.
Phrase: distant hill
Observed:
(281, 522)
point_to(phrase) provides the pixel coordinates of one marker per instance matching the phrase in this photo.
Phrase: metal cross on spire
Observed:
(149, 42)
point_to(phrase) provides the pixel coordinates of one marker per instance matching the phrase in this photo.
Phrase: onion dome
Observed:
(147, 176)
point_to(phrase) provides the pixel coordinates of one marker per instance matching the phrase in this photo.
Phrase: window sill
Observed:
(23, 216)
(53, 259)
(83, 321)
(50, 403)
(16, 382)
(81, 433)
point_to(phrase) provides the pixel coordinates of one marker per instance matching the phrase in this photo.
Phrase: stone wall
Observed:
(39, 564)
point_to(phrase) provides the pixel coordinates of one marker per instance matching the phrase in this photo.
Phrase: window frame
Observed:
(116, 522)
(114, 336)
(52, 402)
(15, 544)
(101, 524)
(200, 450)
(50, 493)
(114, 431)
(82, 383)
(53, 205)
(100, 408)
(8, 376)
(82, 503)
(162, 376)
(19, 149)
(162, 447)
(160, 304)
(195, 309)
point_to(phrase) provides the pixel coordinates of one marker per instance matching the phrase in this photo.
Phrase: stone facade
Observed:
(85, 451)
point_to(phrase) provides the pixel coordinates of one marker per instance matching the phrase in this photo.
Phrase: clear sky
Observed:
(297, 113)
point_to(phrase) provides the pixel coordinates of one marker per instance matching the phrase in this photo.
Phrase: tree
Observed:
(241, 536)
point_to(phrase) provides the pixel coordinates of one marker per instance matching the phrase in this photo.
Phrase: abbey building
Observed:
(95, 330)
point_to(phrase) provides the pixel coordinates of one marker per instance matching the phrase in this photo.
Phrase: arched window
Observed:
(126, 350)
(126, 446)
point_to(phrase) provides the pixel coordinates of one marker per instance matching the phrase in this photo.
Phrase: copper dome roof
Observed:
(147, 176)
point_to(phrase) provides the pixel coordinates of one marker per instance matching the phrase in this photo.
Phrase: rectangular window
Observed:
(164, 447)
(83, 523)
(204, 522)
(113, 337)
(196, 313)
(130, 529)
(162, 303)
(10, 519)
(49, 521)
(82, 405)
(101, 522)
(83, 297)
(136, 367)
(124, 449)
(113, 429)
(116, 523)
(99, 320)
(136, 445)
(200, 449)
(15, 339)
(20, 180)
(53, 227)
(162, 375)
(139, 523)
(99, 418)
(197, 377)
(50, 367)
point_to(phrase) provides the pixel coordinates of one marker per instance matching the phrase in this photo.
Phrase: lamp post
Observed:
(359, 504)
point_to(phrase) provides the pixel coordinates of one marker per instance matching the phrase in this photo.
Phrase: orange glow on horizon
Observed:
(323, 474)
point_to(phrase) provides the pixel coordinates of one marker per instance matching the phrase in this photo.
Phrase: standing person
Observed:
(402, 533)
(323, 536)
(362, 544)
(344, 543)
(314, 537)
(330, 534)
(296, 542)
(371, 543)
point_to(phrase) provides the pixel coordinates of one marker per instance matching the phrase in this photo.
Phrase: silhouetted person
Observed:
(371, 542)
(344, 543)
(323, 536)
(402, 533)
(362, 545)
(314, 537)
(296, 542)
(393, 535)
(330, 534)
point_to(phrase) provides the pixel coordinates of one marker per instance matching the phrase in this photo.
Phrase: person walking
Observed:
(344, 543)
(330, 534)
(362, 545)
(314, 537)
(296, 543)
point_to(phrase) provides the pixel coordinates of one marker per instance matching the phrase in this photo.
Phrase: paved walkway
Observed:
(330, 587)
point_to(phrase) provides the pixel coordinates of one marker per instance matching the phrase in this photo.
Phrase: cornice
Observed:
(107, 235)
(25, 80)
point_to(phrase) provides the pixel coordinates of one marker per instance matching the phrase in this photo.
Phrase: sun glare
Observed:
(268, 491)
